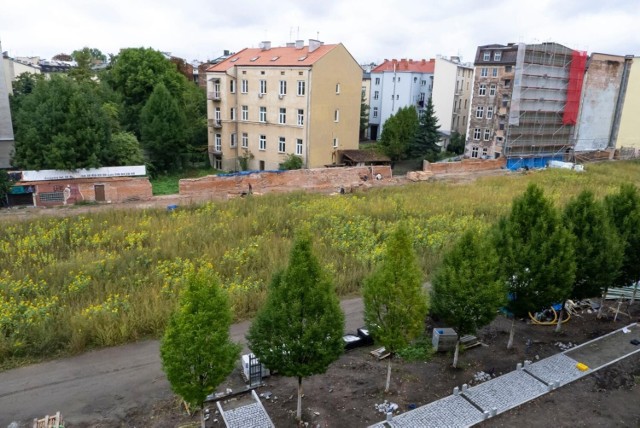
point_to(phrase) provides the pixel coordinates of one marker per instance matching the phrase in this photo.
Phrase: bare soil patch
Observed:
(346, 395)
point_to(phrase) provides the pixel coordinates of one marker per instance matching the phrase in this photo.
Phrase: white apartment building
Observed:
(396, 84)
(451, 97)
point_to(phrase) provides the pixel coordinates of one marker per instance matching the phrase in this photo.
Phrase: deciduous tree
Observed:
(399, 132)
(467, 290)
(395, 306)
(298, 331)
(196, 350)
(536, 255)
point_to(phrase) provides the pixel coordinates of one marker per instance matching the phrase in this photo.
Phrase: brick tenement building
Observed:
(525, 103)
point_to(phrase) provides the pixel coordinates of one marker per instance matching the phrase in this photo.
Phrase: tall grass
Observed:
(68, 284)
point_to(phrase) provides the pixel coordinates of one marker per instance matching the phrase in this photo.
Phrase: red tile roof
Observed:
(280, 56)
(422, 66)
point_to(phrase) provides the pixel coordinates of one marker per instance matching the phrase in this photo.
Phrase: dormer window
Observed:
(486, 56)
(497, 56)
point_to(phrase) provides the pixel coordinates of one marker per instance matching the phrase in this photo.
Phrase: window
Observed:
(474, 152)
(484, 152)
(490, 112)
(423, 83)
(281, 145)
(282, 117)
(487, 134)
(218, 143)
(232, 113)
(484, 72)
(337, 88)
(376, 95)
(299, 147)
(375, 112)
(263, 87)
(232, 86)
(301, 88)
(507, 83)
(392, 97)
(494, 72)
(482, 89)
(263, 114)
(476, 133)
(492, 90)
(497, 56)
(245, 112)
(300, 117)
(507, 69)
(217, 115)
(465, 103)
(245, 140)
(336, 116)
(377, 80)
(501, 126)
(421, 97)
(364, 92)
(335, 143)
(262, 142)
(415, 79)
(234, 140)
(479, 112)
(245, 86)
(283, 87)
(486, 56)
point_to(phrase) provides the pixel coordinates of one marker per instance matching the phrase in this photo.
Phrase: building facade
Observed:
(267, 103)
(627, 135)
(452, 94)
(525, 103)
(396, 84)
(6, 127)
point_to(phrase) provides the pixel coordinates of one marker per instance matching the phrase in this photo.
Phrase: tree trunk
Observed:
(386, 388)
(202, 421)
(299, 411)
(455, 355)
(512, 333)
(559, 323)
(604, 295)
(635, 291)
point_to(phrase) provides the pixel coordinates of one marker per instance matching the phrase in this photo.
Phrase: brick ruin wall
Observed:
(318, 180)
(466, 165)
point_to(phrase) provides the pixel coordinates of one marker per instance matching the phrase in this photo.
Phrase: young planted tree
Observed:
(162, 130)
(467, 290)
(196, 350)
(624, 211)
(298, 331)
(394, 304)
(399, 132)
(536, 255)
(598, 249)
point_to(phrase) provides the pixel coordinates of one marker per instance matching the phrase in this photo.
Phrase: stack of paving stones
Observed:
(252, 415)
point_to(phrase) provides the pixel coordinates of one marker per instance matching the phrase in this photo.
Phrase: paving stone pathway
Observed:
(471, 405)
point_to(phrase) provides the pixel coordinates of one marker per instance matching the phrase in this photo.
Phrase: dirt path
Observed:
(105, 385)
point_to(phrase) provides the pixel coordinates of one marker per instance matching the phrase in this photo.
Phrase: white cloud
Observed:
(371, 30)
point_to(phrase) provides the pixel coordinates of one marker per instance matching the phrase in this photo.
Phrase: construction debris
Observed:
(386, 407)
(380, 353)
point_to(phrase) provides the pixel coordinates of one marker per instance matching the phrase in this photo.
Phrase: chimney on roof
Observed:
(299, 44)
(455, 59)
(291, 44)
(314, 44)
(510, 44)
(265, 46)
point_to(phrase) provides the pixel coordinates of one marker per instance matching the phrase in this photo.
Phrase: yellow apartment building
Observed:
(264, 104)
(628, 135)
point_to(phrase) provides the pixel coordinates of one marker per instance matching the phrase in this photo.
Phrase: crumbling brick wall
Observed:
(466, 165)
(318, 179)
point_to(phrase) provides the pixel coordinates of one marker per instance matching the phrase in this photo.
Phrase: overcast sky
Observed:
(371, 30)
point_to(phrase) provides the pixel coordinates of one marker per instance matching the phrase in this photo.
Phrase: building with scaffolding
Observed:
(525, 103)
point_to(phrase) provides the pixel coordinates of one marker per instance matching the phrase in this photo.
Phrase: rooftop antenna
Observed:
(298, 33)
(317, 35)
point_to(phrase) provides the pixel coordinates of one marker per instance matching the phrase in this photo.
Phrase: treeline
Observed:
(140, 109)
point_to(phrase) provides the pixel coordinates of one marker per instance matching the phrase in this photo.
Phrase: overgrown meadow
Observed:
(83, 281)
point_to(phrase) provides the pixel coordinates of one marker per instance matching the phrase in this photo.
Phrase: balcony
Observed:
(214, 123)
(213, 95)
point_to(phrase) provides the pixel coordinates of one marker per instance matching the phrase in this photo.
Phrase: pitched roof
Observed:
(364, 156)
(288, 56)
(422, 66)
